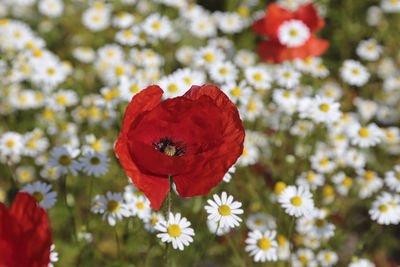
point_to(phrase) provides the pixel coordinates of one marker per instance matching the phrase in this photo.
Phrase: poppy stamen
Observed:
(171, 148)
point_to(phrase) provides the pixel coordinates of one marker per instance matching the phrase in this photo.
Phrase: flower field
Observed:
(199, 133)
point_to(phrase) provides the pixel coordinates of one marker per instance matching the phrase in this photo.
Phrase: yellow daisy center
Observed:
(209, 57)
(223, 71)
(347, 182)
(154, 220)
(279, 187)
(303, 259)
(10, 143)
(363, 132)
(257, 77)
(224, 210)
(383, 208)
(324, 107)
(113, 206)
(64, 160)
(264, 243)
(319, 223)
(174, 230)
(296, 201)
(156, 25)
(369, 175)
(310, 176)
(140, 205)
(31, 144)
(173, 88)
(38, 196)
(236, 91)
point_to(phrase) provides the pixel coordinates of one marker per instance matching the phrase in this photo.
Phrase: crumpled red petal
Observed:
(27, 233)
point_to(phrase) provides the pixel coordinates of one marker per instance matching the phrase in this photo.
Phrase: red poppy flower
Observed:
(25, 236)
(195, 138)
(290, 33)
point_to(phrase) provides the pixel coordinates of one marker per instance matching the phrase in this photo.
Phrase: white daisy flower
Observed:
(258, 77)
(176, 231)
(356, 262)
(366, 108)
(304, 258)
(152, 220)
(369, 183)
(365, 136)
(112, 207)
(214, 228)
(207, 56)
(94, 163)
(287, 100)
(228, 175)
(297, 201)
(386, 209)
(203, 26)
(157, 26)
(262, 246)
(293, 33)
(287, 77)
(322, 162)
(223, 72)
(224, 210)
(390, 6)
(310, 179)
(123, 20)
(392, 179)
(343, 183)
(244, 58)
(51, 8)
(229, 22)
(260, 221)
(369, 50)
(53, 256)
(95, 19)
(327, 258)
(374, 15)
(84, 54)
(139, 206)
(11, 144)
(354, 73)
(331, 90)
(325, 110)
(42, 193)
(63, 159)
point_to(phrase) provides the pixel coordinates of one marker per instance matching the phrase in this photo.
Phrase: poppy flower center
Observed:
(171, 148)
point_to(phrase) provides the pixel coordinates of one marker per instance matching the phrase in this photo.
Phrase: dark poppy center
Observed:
(170, 147)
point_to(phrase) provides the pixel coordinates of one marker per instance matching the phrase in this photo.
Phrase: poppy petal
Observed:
(274, 17)
(155, 188)
(309, 15)
(272, 51)
(35, 229)
(144, 101)
(259, 27)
